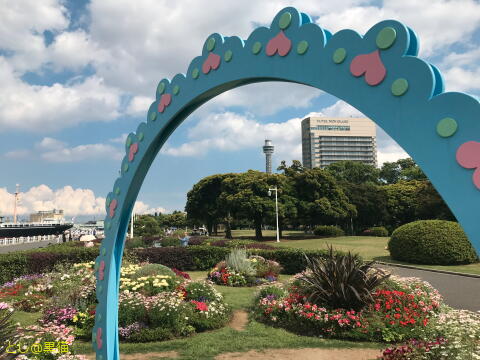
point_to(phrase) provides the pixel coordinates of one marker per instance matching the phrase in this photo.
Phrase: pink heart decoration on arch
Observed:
(132, 152)
(371, 65)
(99, 338)
(101, 270)
(468, 156)
(280, 43)
(212, 62)
(165, 100)
(112, 207)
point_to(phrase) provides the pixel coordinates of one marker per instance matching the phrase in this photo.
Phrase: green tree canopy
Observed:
(354, 172)
(402, 169)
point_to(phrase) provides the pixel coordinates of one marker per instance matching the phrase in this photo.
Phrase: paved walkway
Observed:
(26, 246)
(459, 292)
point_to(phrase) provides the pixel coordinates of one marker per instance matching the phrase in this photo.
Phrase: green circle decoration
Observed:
(104, 251)
(125, 167)
(99, 317)
(195, 73)
(129, 141)
(211, 44)
(302, 47)
(399, 87)
(176, 90)
(100, 288)
(447, 127)
(257, 46)
(108, 226)
(285, 20)
(386, 37)
(140, 136)
(108, 201)
(228, 55)
(161, 87)
(153, 116)
(339, 55)
(117, 191)
(95, 267)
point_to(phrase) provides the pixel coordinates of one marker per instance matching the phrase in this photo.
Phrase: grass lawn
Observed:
(370, 248)
(256, 336)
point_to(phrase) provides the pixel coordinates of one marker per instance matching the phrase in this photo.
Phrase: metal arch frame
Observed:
(405, 98)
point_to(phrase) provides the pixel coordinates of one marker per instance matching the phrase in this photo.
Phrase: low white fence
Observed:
(29, 239)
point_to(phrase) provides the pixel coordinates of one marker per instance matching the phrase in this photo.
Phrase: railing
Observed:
(29, 239)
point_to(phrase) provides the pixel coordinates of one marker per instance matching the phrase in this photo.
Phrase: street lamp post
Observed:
(276, 209)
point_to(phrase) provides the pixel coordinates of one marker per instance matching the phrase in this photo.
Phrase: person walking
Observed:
(185, 239)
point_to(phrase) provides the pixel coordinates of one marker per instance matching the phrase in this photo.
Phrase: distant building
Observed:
(268, 151)
(328, 140)
(47, 216)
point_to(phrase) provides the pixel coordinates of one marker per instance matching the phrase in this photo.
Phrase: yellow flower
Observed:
(75, 318)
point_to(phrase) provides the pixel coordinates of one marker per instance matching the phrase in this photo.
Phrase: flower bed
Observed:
(156, 303)
(240, 270)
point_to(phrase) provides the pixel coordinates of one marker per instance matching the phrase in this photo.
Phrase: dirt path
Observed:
(144, 356)
(303, 354)
(239, 320)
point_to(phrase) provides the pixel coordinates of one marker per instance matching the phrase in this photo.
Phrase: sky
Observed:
(77, 76)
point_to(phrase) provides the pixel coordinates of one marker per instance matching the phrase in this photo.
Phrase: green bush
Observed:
(171, 241)
(12, 265)
(433, 242)
(376, 231)
(274, 291)
(328, 230)
(238, 243)
(136, 242)
(152, 270)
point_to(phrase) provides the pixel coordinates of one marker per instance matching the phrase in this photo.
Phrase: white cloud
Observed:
(72, 201)
(139, 105)
(50, 108)
(119, 140)
(462, 79)
(432, 20)
(53, 150)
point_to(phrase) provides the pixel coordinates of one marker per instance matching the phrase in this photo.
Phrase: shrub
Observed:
(13, 265)
(219, 243)
(201, 291)
(238, 261)
(263, 246)
(272, 292)
(376, 231)
(152, 270)
(238, 243)
(171, 241)
(431, 242)
(328, 230)
(196, 240)
(341, 281)
(136, 242)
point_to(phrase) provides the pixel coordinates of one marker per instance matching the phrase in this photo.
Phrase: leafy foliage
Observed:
(328, 230)
(431, 242)
(238, 261)
(152, 270)
(341, 281)
(376, 231)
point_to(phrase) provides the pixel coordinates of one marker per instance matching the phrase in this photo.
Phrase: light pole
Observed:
(276, 208)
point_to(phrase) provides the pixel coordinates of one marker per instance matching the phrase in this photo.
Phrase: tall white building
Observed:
(328, 140)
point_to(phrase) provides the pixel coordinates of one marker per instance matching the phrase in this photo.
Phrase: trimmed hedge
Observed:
(375, 231)
(432, 242)
(206, 257)
(328, 230)
(188, 258)
(35, 261)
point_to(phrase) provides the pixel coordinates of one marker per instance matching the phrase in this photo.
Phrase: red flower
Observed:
(200, 305)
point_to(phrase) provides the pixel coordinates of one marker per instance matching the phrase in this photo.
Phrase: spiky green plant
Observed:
(238, 261)
(341, 281)
(7, 330)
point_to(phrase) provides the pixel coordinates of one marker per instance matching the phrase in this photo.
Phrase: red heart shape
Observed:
(99, 338)
(132, 152)
(101, 269)
(165, 100)
(112, 207)
(371, 65)
(468, 156)
(280, 44)
(212, 62)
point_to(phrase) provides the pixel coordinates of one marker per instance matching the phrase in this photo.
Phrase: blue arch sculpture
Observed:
(378, 73)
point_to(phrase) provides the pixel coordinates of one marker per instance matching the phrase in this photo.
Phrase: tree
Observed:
(146, 225)
(402, 169)
(176, 219)
(371, 203)
(401, 202)
(320, 199)
(245, 196)
(296, 167)
(430, 205)
(354, 172)
(202, 201)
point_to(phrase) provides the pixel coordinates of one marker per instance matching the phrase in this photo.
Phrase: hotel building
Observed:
(328, 140)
